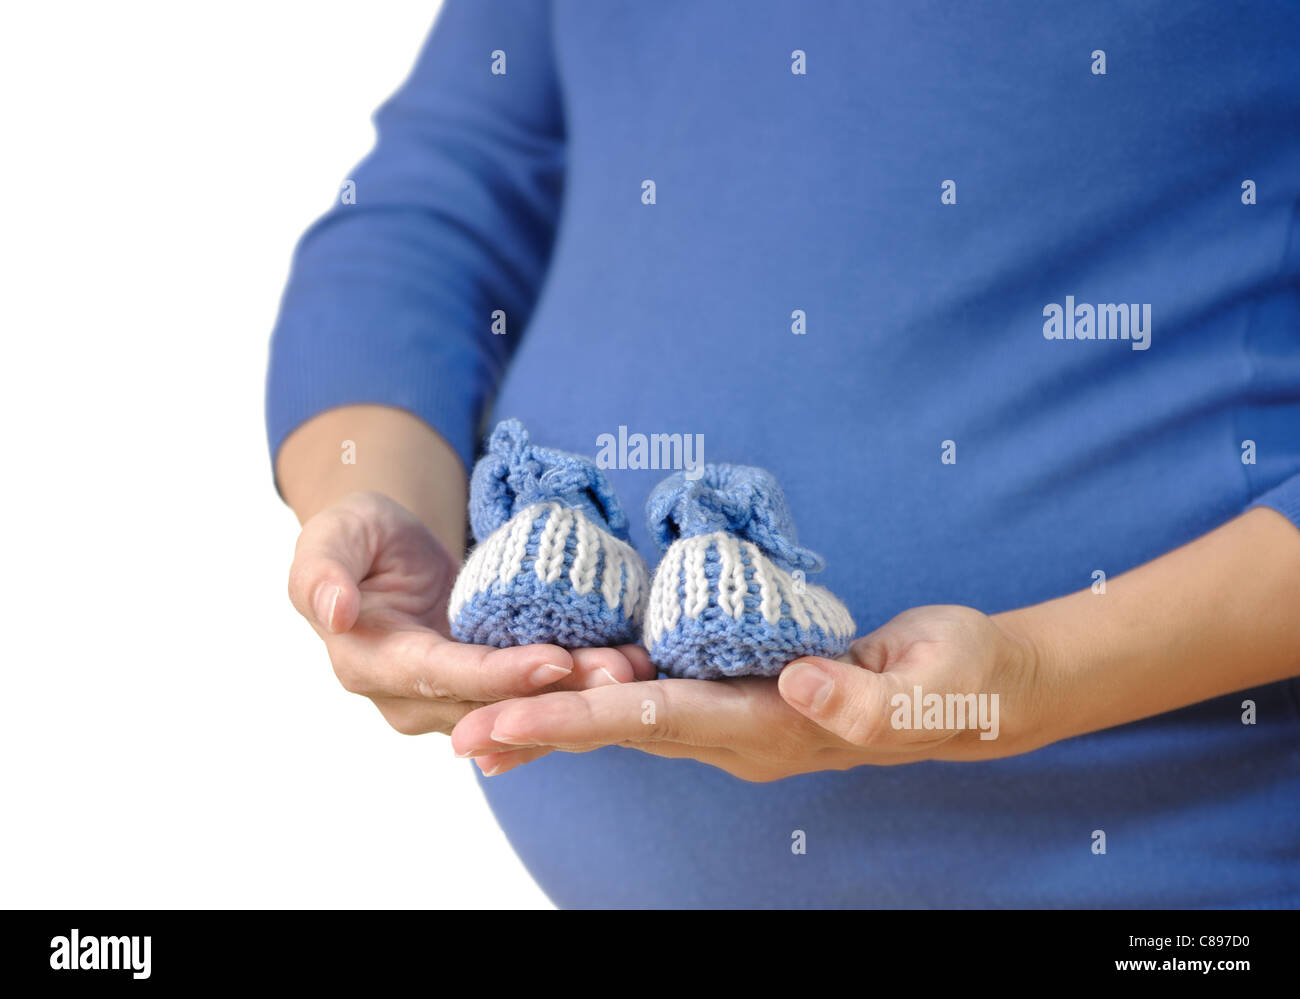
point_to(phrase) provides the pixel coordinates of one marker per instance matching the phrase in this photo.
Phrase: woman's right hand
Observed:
(374, 583)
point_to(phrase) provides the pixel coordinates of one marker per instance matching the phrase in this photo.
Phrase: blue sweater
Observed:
(947, 200)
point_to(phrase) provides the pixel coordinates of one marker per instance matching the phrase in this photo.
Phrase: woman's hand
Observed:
(373, 582)
(820, 714)
(1214, 616)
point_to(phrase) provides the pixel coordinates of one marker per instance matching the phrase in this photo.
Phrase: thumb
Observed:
(330, 561)
(843, 698)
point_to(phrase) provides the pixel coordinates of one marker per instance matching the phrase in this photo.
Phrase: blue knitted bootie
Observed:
(729, 596)
(552, 563)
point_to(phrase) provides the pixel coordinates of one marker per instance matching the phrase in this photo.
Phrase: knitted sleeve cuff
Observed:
(328, 355)
(1284, 498)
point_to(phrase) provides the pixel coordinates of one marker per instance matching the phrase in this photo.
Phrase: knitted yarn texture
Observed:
(552, 563)
(729, 597)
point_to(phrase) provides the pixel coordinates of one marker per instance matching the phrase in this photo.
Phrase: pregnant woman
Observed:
(836, 242)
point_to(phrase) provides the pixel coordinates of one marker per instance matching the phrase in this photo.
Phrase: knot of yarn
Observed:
(741, 500)
(514, 474)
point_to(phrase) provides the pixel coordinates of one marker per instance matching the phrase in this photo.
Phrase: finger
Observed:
(868, 653)
(598, 668)
(421, 663)
(334, 552)
(725, 758)
(726, 714)
(410, 716)
(592, 668)
(732, 762)
(642, 667)
(751, 769)
(854, 703)
(494, 764)
(871, 652)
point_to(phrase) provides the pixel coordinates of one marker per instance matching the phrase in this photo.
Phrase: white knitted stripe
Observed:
(828, 614)
(815, 607)
(489, 557)
(622, 575)
(726, 558)
(545, 541)
(611, 580)
(654, 617)
(636, 586)
(586, 555)
(486, 559)
(635, 581)
(779, 583)
(652, 628)
(516, 543)
(822, 606)
(731, 576)
(463, 588)
(550, 546)
(696, 582)
(672, 609)
(485, 562)
(769, 593)
(798, 609)
(848, 628)
(832, 610)
(840, 618)
(470, 580)
(664, 609)
(684, 563)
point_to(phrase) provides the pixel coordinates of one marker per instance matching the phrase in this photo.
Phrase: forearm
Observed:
(1219, 614)
(395, 453)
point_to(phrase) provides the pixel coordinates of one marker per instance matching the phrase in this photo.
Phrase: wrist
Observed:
(376, 449)
(1037, 677)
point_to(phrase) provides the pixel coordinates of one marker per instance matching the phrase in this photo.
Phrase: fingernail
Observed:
(489, 773)
(547, 673)
(805, 685)
(327, 598)
(509, 740)
(610, 675)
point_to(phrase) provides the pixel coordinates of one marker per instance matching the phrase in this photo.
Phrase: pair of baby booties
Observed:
(552, 565)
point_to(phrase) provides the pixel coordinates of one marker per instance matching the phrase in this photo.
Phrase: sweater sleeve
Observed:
(452, 216)
(1284, 498)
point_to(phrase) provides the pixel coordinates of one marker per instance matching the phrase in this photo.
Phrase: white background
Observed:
(171, 733)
